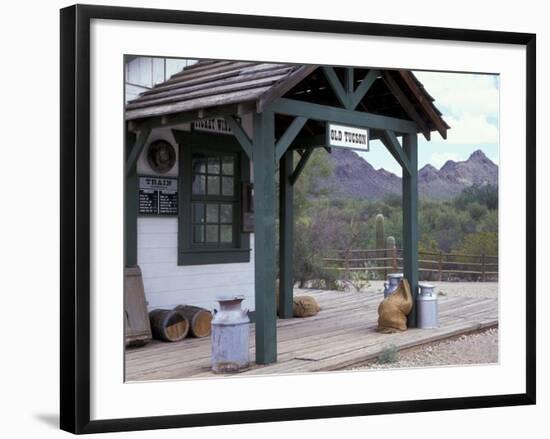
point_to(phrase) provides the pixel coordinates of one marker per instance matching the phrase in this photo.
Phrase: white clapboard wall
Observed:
(168, 284)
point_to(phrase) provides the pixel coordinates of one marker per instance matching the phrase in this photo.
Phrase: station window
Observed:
(212, 171)
(213, 199)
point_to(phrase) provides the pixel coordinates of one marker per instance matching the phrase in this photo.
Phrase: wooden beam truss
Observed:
(390, 141)
(136, 150)
(364, 87)
(240, 135)
(341, 94)
(349, 96)
(326, 113)
(289, 135)
(300, 166)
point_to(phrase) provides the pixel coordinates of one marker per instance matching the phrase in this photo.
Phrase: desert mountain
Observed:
(354, 177)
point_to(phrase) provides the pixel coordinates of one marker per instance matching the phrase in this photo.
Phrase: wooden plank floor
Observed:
(343, 334)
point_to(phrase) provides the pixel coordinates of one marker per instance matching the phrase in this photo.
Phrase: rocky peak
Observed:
(479, 156)
(354, 177)
(428, 173)
(448, 166)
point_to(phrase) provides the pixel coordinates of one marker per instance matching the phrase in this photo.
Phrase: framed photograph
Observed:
(268, 219)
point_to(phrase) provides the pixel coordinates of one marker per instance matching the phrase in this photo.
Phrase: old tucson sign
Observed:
(342, 136)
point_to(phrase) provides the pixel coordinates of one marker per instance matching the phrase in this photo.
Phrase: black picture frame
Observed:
(75, 217)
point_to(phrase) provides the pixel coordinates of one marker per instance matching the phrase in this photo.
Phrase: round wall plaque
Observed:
(161, 156)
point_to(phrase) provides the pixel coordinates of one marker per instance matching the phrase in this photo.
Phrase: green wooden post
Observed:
(264, 237)
(286, 236)
(410, 220)
(130, 206)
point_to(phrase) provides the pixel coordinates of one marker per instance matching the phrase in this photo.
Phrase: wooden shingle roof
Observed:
(209, 84)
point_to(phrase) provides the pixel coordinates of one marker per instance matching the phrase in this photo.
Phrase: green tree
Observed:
(480, 242)
(489, 223)
(483, 194)
(312, 224)
(477, 210)
(427, 244)
(308, 188)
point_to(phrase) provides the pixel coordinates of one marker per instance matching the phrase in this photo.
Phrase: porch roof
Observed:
(253, 85)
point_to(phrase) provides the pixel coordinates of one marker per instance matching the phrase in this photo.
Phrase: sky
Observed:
(470, 105)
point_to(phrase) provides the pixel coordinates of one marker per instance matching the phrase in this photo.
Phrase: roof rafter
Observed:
(424, 102)
(405, 103)
(282, 87)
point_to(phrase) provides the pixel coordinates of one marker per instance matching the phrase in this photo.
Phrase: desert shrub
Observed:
(477, 211)
(480, 242)
(389, 354)
(489, 223)
(427, 244)
(359, 279)
(486, 195)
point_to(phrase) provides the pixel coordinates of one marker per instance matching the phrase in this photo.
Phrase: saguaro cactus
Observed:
(380, 242)
(391, 252)
(379, 222)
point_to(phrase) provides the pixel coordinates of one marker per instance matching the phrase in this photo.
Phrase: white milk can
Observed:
(393, 282)
(230, 336)
(426, 307)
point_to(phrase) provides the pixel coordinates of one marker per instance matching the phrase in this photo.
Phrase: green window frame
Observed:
(212, 170)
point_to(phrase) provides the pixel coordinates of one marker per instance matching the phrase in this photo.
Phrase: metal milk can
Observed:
(230, 336)
(392, 284)
(426, 306)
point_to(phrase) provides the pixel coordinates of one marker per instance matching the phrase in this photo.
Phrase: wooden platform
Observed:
(343, 334)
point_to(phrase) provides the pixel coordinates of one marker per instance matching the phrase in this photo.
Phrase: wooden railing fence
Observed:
(433, 265)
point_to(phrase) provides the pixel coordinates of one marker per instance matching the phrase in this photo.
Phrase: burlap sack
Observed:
(302, 306)
(305, 306)
(394, 309)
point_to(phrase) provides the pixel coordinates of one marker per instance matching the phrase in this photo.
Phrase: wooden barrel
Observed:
(168, 324)
(200, 320)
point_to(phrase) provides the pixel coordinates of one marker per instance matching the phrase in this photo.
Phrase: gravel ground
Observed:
(474, 348)
(452, 289)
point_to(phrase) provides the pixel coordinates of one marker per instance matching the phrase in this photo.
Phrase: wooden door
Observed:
(137, 326)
